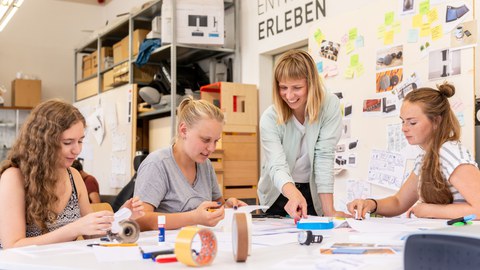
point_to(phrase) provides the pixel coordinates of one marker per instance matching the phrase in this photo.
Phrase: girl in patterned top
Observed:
(43, 200)
(445, 181)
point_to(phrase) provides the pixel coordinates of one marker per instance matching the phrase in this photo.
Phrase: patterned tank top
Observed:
(70, 213)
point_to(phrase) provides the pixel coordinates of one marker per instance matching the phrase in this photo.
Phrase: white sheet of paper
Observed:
(116, 254)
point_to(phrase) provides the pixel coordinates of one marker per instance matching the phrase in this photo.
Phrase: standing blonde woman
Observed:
(42, 199)
(179, 181)
(298, 134)
(445, 180)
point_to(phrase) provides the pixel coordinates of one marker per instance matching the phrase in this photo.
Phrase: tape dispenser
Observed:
(123, 229)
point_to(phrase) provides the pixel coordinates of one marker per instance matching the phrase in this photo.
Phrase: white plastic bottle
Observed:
(161, 230)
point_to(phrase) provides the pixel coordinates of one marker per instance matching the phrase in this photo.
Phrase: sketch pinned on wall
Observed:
(386, 169)
(357, 189)
(96, 126)
(397, 143)
(443, 63)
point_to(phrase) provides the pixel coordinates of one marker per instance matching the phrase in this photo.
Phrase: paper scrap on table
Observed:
(116, 254)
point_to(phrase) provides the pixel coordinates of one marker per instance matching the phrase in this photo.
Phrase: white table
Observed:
(288, 255)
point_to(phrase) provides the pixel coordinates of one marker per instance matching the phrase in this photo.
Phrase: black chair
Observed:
(127, 191)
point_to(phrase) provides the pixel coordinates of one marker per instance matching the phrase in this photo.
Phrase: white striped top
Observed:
(452, 154)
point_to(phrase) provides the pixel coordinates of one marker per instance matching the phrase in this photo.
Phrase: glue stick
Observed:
(161, 230)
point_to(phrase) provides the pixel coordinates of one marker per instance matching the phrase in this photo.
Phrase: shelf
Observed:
(187, 54)
(9, 124)
(15, 108)
(86, 79)
(163, 112)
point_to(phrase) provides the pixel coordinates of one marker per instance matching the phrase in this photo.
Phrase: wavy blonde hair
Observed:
(294, 65)
(191, 111)
(435, 105)
(36, 154)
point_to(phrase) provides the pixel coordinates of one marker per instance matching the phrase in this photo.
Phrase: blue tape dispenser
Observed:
(315, 223)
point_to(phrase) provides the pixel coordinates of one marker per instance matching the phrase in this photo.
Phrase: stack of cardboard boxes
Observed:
(236, 160)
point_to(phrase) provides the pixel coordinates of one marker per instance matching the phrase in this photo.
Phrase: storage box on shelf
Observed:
(106, 53)
(138, 36)
(26, 93)
(239, 103)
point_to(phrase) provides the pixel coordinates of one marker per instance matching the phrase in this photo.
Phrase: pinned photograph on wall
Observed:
(346, 129)
(352, 160)
(390, 106)
(443, 63)
(464, 36)
(455, 14)
(407, 6)
(347, 109)
(387, 80)
(372, 107)
(390, 57)
(329, 50)
(340, 161)
(406, 86)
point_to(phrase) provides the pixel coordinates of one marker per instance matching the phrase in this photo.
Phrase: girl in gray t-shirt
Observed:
(179, 180)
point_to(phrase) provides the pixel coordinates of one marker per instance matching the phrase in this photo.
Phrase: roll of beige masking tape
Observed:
(240, 236)
(190, 257)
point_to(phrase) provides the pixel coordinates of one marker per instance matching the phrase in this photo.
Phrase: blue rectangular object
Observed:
(315, 225)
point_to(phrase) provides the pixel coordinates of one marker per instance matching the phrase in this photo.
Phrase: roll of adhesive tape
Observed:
(183, 246)
(240, 237)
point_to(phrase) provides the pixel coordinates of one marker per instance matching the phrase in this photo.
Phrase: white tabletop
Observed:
(76, 255)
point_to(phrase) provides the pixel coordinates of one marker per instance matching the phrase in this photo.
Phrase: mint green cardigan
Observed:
(280, 144)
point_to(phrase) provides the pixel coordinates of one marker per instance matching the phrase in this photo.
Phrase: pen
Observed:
(114, 245)
(461, 219)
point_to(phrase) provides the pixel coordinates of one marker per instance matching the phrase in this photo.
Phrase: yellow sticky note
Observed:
(437, 32)
(388, 39)
(354, 60)
(360, 69)
(319, 36)
(352, 34)
(389, 17)
(417, 20)
(381, 31)
(424, 7)
(425, 30)
(349, 73)
(432, 15)
(396, 27)
(349, 46)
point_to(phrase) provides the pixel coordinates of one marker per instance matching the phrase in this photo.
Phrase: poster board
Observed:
(371, 58)
(107, 156)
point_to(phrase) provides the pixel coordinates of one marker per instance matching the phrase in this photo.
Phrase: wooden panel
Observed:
(219, 178)
(240, 151)
(239, 128)
(239, 103)
(239, 137)
(240, 193)
(87, 88)
(240, 173)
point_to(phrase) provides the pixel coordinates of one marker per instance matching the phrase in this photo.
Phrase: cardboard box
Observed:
(87, 88)
(239, 103)
(107, 80)
(138, 36)
(104, 52)
(120, 51)
(26, 93)
(87, 62)
(198, 22)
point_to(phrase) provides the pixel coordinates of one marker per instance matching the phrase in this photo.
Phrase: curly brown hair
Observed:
(36, 154)
(435, 105)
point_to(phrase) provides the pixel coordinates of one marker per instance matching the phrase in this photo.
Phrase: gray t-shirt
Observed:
(161, 183)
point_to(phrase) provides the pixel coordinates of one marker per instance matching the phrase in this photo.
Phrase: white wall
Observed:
(41, 37)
